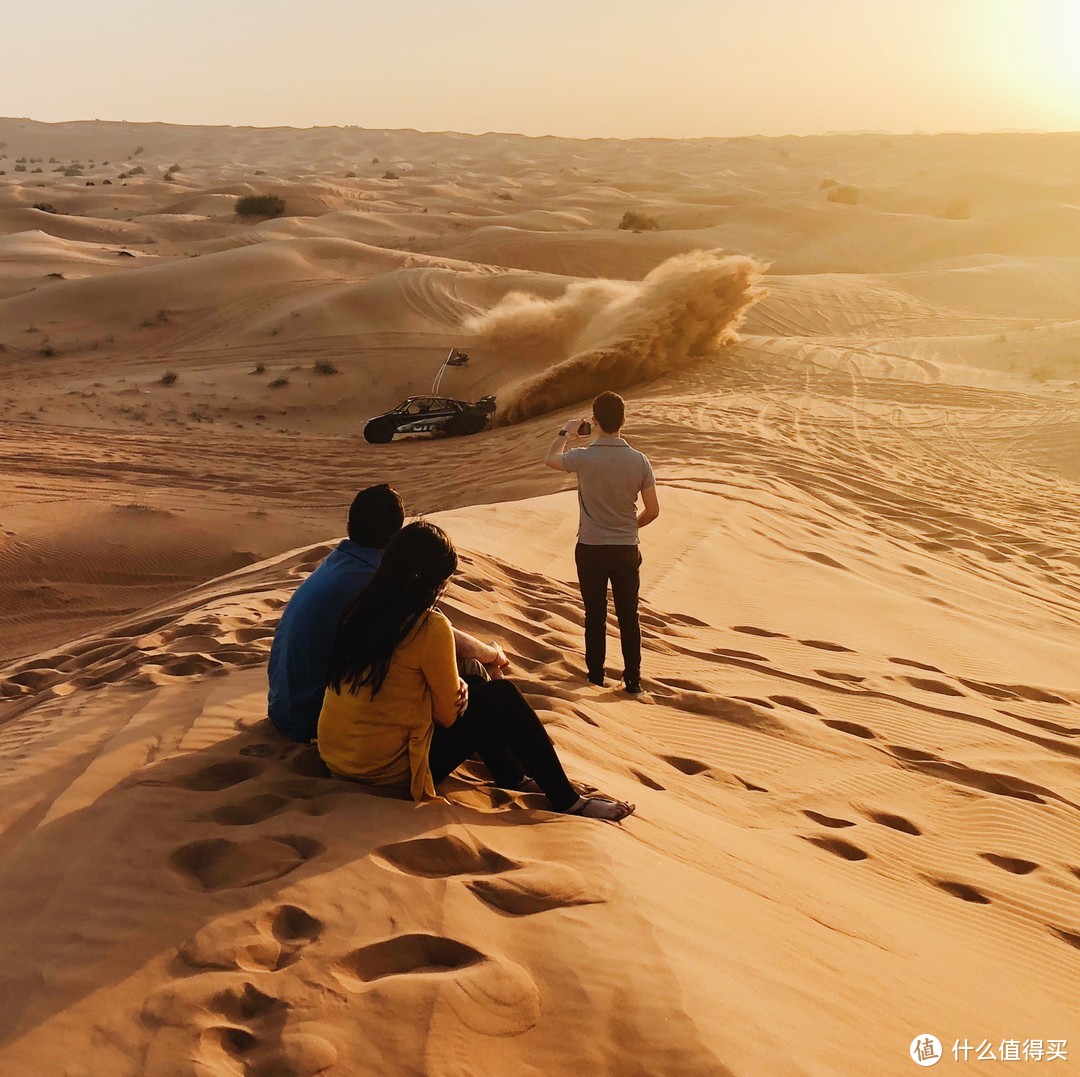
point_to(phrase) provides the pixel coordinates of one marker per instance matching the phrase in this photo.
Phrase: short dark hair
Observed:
(609, 411)
(375, 516)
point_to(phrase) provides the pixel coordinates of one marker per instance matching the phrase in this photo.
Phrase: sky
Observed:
(578, 68)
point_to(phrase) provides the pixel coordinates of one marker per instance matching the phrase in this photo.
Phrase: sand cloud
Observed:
(605, 334)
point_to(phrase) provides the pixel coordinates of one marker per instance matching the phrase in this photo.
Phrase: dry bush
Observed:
(260, 205)
(638, 222)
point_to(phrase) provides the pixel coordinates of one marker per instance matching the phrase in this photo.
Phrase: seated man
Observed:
(300, 654)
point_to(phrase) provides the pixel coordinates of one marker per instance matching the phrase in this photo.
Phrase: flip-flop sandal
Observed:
(601, 807)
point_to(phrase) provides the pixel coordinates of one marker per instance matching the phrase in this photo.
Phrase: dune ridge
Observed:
(856, 763)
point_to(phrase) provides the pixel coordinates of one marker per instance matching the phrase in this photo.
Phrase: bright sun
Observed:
(1048, 49)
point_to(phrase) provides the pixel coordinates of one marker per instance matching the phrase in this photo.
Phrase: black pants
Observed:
(501, 728)
(596, 566)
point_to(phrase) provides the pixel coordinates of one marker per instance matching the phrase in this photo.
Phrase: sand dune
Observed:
(856, 762)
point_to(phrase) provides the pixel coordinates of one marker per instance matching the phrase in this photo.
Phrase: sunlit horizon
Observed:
(589, 69)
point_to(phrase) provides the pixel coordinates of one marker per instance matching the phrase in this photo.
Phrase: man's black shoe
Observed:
(633, 686)
(598, 681)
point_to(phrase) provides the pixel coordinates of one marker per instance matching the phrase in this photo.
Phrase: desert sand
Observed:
(854, 361)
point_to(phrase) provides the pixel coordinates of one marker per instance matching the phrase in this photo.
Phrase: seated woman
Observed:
(395, 711)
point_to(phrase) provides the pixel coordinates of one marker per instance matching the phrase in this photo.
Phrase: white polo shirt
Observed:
(610, 476)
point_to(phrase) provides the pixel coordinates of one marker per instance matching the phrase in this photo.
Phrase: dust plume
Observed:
(605, 334)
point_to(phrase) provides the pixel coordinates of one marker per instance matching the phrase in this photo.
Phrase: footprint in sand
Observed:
(688, 766)
(838, 847)
(1010, 863)
(895, 822)
(827, 820)
(914, 665)
(843, 678)
(240, 1028)
(646, 780)
(442, 857)
(306, 795)
(751, 630)
(748, 656)
(267, 943)
(851, 728)
(220, 864)
(963, 891)
(221, 775)
(984, 780)
(510, 886)
(795, 704)
(488, 995)
(825, 645)
(926, 684)
(1071, 937)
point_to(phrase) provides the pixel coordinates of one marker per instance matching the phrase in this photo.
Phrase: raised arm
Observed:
(566, 438)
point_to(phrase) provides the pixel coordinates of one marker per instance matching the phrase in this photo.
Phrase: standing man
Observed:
(610, 476)
(300, 653)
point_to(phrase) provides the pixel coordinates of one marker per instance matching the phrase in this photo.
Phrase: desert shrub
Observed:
(20, 168)
(175, 168)
(170, 377)
(350, 175)
(38, 170)
(73, 170)
(326, 368)
(827, 183)
(260, 368)
(638, 222)
(53, 161)
(138, 150)
(45, 207)
(374, 160)
(279, 382)
(506, 196)
(844, 193)
(390, 175)
(48, 351)
(89, 183)
(260, 171)
(260, 205)
(106, 183)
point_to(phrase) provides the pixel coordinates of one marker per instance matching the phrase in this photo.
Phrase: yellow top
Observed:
(385, 740)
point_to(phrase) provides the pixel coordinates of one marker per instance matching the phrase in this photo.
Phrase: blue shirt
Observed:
(300, 654)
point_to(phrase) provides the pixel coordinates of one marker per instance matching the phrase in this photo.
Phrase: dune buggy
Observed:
(431, 414)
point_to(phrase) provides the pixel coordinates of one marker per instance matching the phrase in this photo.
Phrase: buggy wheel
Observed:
(468, 422)
(381, 430)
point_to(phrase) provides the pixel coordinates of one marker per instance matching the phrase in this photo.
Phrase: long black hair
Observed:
(414, 570)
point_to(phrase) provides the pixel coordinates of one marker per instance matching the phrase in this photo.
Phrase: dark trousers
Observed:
(596, 567)
(501, 728)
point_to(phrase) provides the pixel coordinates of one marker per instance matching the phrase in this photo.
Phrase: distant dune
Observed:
(854, 361)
